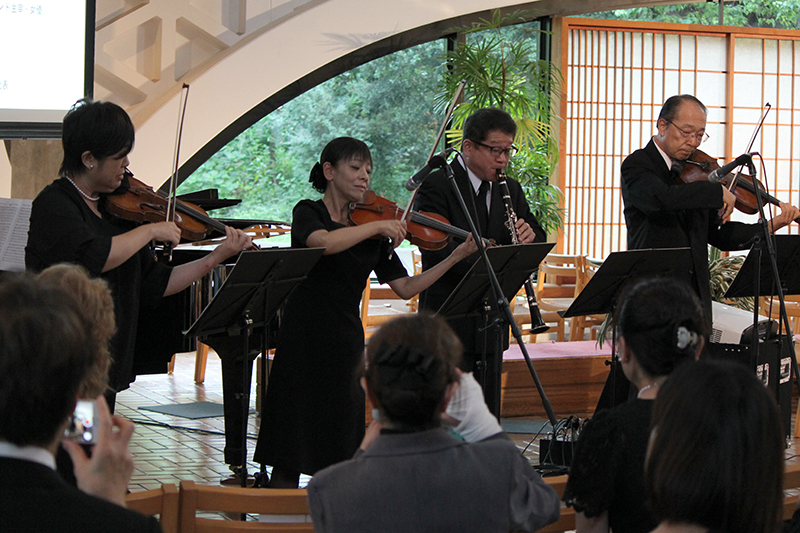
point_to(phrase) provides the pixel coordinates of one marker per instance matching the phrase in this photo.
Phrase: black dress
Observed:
(607, 472)
(63, 229)
(314, 407)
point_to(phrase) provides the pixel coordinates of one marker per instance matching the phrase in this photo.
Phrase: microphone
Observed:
(437, 161)
(717, 175)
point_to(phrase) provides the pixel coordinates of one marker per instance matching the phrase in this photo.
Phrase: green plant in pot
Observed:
(501, 68)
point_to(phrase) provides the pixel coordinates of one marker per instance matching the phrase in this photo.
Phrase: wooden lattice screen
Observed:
(618, 74)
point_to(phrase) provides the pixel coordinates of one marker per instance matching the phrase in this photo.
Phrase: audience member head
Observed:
(103, 129)
(339, 150)
(411, 369)
(483, 121)
(45, 356)
(660, 322)
(94, 298)
(716, 450)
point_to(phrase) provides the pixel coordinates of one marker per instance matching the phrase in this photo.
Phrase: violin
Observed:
(136, 201)
(428, 231)
(699, 165)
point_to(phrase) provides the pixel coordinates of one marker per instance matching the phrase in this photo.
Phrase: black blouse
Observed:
(607, 472)
(63, 229)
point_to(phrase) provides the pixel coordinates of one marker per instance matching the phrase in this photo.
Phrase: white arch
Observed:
(264, 61)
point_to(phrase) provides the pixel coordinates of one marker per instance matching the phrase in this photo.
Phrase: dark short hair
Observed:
(339, 149)
(483, 121)
(411, 360)
(670, 108)
(716, 453)
(46, 352)
(653, 315)
(102, 128)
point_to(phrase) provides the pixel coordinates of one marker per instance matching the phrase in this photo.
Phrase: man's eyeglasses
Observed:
(699, 137)
(498, 151)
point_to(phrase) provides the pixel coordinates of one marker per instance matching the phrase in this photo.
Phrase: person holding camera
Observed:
(48, 352)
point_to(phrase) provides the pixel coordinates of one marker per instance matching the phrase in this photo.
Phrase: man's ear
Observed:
(661, 126)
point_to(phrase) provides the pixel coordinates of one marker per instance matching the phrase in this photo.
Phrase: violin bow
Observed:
(767, 108)
(450, 109)
(173, 180)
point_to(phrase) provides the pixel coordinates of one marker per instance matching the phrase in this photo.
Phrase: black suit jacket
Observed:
(436, 195)
(34, 498)
(660, 213)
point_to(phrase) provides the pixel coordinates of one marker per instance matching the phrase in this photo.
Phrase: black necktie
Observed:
(483, 212)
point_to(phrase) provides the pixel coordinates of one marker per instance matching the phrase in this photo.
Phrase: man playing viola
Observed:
(662, 213)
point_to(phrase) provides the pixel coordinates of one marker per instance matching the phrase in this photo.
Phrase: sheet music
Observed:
(14, 220)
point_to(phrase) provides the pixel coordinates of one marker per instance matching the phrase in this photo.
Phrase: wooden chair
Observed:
(200, 359)
(370, 322)
(578, 324)
(289, 504)
(162, 502)
(567, 520)
(561, 278)
(413, 303)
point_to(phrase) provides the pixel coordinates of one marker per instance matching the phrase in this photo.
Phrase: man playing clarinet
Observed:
(486, 150)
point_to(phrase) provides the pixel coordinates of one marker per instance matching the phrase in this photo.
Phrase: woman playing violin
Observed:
(660, 213)
(314, 408)
(69, 223)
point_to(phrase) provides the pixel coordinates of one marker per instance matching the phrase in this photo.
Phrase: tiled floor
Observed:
(167, 449)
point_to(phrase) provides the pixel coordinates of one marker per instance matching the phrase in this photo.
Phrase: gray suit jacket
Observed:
(429, 481)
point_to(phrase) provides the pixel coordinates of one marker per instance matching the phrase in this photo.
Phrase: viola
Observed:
(136, 201)
(428, 231)
(699, 165)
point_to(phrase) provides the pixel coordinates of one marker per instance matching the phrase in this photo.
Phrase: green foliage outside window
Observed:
(751, 13)
(502, 68)
(387, 103)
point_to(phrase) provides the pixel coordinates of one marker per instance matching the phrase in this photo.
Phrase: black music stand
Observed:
(757, 278)
(249, 297)
(788, 252)
(600, 294)
(473, 297)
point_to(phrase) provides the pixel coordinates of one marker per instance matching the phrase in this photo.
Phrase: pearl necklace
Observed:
(646, 387)
(90, 198)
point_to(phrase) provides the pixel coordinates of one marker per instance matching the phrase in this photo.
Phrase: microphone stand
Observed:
(758, 245)
(503, 307)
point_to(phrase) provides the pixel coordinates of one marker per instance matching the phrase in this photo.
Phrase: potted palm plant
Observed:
(501, 67)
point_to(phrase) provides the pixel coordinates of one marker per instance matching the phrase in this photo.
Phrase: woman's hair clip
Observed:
(685, 338)
(410, 368)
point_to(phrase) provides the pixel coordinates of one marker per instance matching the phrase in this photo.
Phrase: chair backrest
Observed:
(561, 276)
(566, 521)
(288, 509)
(162, 502)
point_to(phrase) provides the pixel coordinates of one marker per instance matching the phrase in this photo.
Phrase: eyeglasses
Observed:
(498, 151)
(699, 137)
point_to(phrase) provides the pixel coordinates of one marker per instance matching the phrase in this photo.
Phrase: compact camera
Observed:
(81, 429)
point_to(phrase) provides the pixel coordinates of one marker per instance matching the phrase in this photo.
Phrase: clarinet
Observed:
(537, 323)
